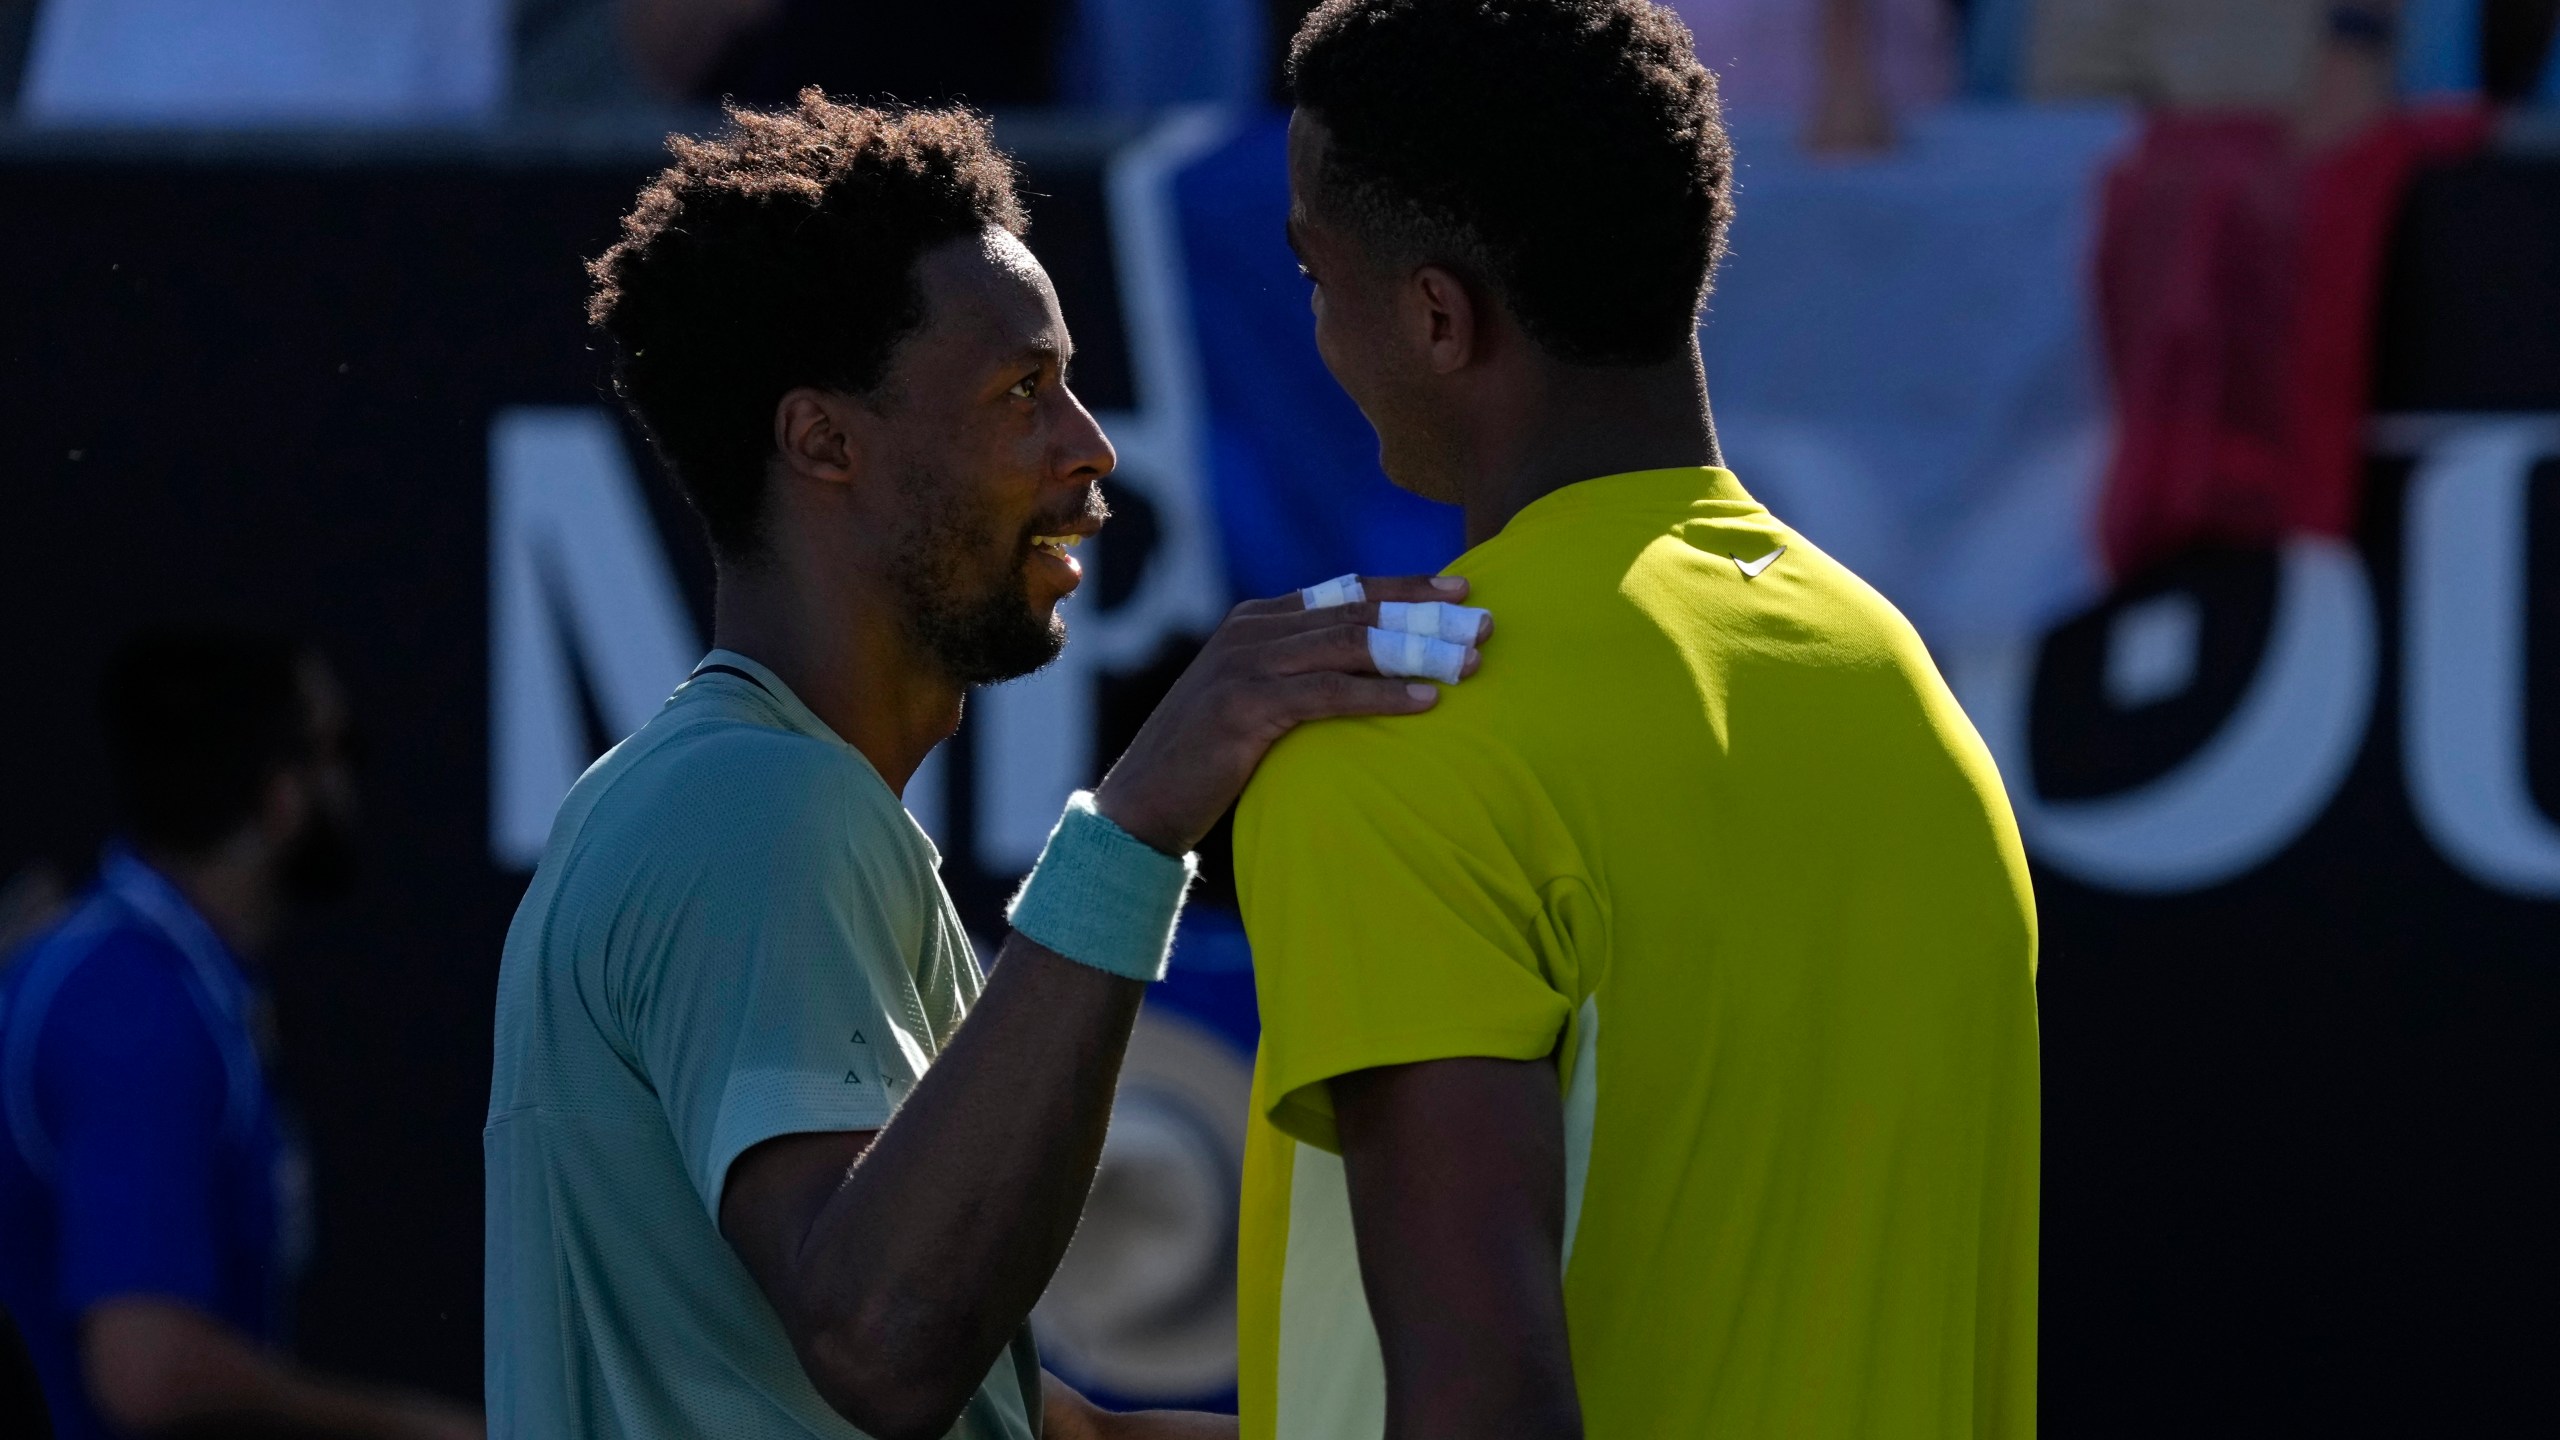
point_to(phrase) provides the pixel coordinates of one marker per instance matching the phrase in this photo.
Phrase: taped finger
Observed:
(1340, 590)
(1403, 652)
(1457, 624)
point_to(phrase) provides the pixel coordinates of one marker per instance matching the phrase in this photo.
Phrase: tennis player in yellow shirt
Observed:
(1649, 1030)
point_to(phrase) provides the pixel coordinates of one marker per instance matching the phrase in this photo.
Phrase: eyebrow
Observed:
(1042, 350)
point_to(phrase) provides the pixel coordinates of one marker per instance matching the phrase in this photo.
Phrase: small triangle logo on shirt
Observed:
(852, 1079)
(1751, 568)
(858, 1040)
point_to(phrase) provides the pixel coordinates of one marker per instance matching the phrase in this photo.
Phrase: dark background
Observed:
(2300, 1157)
(2299, 1129)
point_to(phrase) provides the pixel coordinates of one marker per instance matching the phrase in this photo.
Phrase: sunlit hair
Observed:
(1567, 153)
(777, 254)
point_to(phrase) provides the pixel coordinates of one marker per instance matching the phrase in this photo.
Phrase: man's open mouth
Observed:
(1057, 545)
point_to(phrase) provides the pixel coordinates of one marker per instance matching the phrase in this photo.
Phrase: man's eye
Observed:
(1027, 387)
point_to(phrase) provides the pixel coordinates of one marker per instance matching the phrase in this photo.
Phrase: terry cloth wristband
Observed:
(1101, 896)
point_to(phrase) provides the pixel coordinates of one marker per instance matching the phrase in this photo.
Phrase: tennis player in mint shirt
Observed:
(767, 1155)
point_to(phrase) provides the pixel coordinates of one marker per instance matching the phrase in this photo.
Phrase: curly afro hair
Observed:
(1568, 153)
(777, 254)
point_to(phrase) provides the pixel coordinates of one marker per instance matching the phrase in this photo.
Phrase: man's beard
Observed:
(319, 863)
(980, 629)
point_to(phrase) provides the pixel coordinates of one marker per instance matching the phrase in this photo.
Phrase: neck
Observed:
(233, 888)
(1550, 425)
(830, 636)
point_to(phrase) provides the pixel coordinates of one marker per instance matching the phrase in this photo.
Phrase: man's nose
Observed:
(1084, 453)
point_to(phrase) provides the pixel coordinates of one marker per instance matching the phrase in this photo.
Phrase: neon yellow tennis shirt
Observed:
(1709, 830)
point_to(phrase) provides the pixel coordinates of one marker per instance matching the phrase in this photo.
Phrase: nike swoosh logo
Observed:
(1751, 568)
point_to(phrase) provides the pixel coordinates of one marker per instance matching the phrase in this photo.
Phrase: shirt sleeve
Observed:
(762, 1012)
(1400, 910)
(131, 1089)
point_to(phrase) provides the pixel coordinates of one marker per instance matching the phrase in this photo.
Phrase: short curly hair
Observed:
(779, 253)
(1568, 153)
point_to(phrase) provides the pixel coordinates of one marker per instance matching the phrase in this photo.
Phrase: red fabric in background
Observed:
(2238, 280)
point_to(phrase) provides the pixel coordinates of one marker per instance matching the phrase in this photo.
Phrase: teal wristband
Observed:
(1101, 896)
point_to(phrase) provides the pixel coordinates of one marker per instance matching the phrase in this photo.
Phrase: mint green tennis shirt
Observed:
(736, 932)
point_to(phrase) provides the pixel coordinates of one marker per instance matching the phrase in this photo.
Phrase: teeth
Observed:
(1057, 542)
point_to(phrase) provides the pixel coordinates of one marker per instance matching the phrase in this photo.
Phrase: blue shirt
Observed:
(141, 1148)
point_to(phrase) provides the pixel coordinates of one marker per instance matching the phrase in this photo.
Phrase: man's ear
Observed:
(1444, 319)
(817, 433)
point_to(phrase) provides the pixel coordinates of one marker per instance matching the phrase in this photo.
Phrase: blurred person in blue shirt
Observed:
(153, 1201)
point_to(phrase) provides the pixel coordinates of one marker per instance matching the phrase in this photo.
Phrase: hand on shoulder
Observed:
(1272, 665)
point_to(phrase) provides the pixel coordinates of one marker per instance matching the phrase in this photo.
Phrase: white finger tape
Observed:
(1457, 624)
(1340, 590)
(1402, 652)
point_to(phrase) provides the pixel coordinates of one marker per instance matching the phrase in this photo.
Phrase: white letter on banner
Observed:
(574, 563)
(2463, 685)
(2251, 789)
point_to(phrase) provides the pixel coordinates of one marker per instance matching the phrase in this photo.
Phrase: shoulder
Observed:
(711, 833)
(714, 749)
(1452, 744)
(1472, 745)
(1609, 601)
(1361, 791)
(732, 790)
(115, 994)
(1553, 614)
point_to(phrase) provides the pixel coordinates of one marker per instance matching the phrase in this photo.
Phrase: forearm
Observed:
(1163, 1425)
(1168, 1425)
(1066, 1415)
(1455, 1169)
(158, 1367)
(926, 1261)
(290, 1405)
